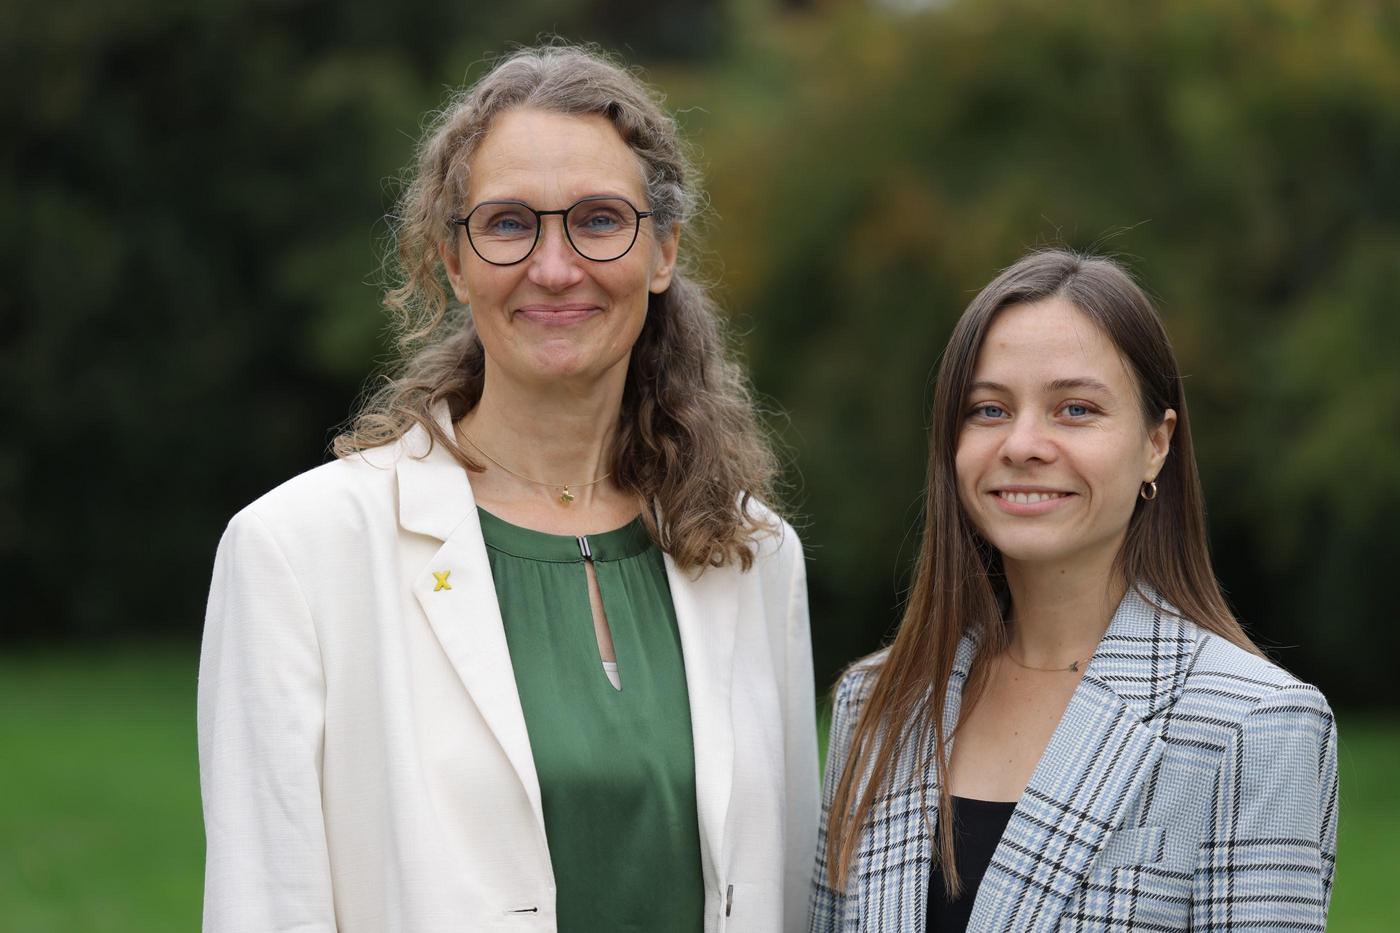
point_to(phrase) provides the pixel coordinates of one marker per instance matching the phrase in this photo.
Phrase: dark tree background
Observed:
(193, 197)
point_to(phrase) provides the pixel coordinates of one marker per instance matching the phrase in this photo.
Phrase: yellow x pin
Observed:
(441, 578)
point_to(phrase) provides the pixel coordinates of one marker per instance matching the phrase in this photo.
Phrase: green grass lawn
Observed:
(99, 800)
(99, 794)
(1367, 895)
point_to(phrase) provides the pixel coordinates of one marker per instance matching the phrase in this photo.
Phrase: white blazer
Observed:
(363, 755)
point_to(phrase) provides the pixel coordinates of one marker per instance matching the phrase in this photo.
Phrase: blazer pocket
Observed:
(1138, 845)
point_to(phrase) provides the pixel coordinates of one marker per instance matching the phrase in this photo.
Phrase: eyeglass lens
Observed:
(600, 229)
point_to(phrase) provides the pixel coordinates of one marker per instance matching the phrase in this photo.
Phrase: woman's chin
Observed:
(569, 361)
(558, 360)
(1032, 551)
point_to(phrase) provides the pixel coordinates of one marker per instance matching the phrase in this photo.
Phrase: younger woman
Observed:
(1068, 682)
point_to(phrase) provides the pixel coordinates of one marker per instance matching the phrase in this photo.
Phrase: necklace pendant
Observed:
(1074, 666)
(566, 497)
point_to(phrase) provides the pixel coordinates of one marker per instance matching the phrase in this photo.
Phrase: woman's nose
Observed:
(555, 264)
(1029, 439)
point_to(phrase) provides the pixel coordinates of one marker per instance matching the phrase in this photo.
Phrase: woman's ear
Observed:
(452, 262)
(1160, 440)
(665, 266)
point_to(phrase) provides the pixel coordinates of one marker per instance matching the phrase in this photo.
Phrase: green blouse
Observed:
(616, 767)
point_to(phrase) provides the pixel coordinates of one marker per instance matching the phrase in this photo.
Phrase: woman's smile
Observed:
(558, 315)
(1029, 500)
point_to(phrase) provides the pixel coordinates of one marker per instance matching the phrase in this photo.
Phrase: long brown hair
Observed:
(958, 588)
(689, 441)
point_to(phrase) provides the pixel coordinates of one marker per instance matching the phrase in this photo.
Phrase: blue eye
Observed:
(990, 411)
(508, 225)
(501, 221)
(597, 221)
(1076, 411)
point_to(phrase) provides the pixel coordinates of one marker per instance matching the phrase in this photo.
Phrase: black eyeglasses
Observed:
(600, 229)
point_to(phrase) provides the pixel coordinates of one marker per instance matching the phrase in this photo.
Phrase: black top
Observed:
(978, 825)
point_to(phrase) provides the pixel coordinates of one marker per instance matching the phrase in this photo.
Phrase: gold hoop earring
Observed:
(1152, 486)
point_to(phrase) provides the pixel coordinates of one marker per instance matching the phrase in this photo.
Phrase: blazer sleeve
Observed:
(800, 751)
(829, 905)
(261, 709)
(1267, 858)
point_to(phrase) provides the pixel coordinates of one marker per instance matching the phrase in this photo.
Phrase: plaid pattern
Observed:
(1189, 785)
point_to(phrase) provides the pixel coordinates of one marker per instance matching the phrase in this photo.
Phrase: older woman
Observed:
(531, 655)
(1071, 731)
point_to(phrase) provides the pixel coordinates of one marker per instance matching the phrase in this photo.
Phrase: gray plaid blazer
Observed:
(1189, 786)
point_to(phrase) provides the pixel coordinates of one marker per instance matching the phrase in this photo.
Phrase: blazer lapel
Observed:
(707, 614)
(458, 595)
(1103, 749)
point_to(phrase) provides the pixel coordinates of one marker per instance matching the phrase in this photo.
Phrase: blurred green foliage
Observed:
(1240, 157)
(195, 194)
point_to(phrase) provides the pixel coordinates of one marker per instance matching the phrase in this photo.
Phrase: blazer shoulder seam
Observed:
(250, 513)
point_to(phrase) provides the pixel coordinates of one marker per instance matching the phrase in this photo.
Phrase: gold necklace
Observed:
(565, 495)
(1073, 666)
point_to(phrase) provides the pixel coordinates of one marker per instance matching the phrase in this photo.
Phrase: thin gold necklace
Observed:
(1073, 666)
(565, 495)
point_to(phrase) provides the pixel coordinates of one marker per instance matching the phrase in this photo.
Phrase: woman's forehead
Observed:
(535, 155)
(1049, 344)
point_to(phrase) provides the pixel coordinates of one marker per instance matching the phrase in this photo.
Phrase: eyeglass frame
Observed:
(563, 216)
